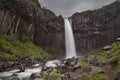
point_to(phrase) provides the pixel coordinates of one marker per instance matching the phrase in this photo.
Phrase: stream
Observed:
(7, 75)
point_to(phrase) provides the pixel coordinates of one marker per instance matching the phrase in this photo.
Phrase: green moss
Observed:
(17, 49)
(83, 75)
(102, 58)
(52, 76)
(7, 56)
(115, 51)
(97, 76)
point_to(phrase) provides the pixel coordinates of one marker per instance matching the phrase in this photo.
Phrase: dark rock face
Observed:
(19, 17)
(95, 29)
(52, 34)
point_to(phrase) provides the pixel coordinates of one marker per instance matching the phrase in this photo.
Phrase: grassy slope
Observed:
(11, 50)
(103, 59)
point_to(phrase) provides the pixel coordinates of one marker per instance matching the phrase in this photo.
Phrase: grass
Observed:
(97, 76)
(52, 75)
(11, 50)
(103, 58)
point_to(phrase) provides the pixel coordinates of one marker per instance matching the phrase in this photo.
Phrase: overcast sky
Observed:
(68, 7)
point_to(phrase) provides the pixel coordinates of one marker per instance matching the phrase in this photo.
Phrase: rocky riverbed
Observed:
(70, 69)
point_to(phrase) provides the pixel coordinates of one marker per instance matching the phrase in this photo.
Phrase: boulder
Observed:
(118, 39)
(35, 76)
(97, 70)
(118, 76)
(94, 61)
(14, 77)
(107, 47)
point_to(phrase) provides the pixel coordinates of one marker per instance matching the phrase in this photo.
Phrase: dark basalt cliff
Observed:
(52, 34)
(19, 17)
(95, 29)
(26, 18)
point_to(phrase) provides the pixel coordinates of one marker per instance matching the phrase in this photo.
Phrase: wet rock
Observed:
(50, 69)
(114, 63)
(94, 61)
(86, 68)
(118, 76)
(118, 39)
(109, 71)
(97, 70)
(35, 76)
(75, 68)
(38, 79)
(21, 67)
(67, 76)
(5, 65)
(1, 69)
(107, 47)
(44, 68)
(14, 77)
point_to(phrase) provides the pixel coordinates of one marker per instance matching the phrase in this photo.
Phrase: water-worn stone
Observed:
(94, 61)
(38, 79)
(35, 75)
(14, 78)
(118, 76)
(107, 47)
(97, 70)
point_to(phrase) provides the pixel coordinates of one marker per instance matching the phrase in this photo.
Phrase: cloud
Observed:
(68, 7)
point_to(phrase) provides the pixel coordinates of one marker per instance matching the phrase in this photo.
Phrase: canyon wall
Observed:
(25, 19)
(52, 33)
(19, 18)
(97, 28)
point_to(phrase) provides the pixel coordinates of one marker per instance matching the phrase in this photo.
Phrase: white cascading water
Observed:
(69, 40)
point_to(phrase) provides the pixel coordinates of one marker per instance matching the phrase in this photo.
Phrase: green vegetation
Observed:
(103, 59)
(11, 50)
(97, 76)
(52, 76)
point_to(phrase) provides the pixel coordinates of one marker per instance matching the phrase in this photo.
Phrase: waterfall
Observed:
(69, 40)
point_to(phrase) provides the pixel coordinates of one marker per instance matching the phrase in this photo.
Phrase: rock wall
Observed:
(26, 18)
(95, 29)
(19, 18)
(52, 34)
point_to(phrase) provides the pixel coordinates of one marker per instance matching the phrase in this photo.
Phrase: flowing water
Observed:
(69, 40)
(21, 75)
(25, 75)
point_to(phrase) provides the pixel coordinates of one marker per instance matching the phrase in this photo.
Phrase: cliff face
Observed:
(19, 17)
(94, 29)
(52, 34)
(26, 18)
